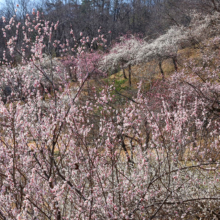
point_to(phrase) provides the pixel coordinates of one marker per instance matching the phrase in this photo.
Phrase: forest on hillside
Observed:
(110, 110)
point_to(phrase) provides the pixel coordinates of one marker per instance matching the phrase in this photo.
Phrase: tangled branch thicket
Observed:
(87, 157)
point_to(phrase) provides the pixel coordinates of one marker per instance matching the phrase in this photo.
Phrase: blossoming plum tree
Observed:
(71, 158)
(124, 54)
(133, 51)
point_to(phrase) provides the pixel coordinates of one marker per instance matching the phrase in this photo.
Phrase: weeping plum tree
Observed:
(64, 158)
(133, 51)
(124, 54)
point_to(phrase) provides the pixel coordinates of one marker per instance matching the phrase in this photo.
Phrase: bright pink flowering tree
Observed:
(87, 62)
(64, 157)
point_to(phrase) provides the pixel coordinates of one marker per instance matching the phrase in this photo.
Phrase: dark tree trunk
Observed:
(161, 70)
(129, 69)
(175, 63)
(123, 69)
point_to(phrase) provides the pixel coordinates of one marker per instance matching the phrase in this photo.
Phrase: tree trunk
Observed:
(123, 69)
(161, 70)
(129, 69)
(175, 63)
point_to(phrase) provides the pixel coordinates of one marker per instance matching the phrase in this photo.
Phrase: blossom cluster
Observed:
(76, 153)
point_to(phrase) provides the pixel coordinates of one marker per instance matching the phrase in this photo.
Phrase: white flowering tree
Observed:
(124, 54)
(133, 51)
